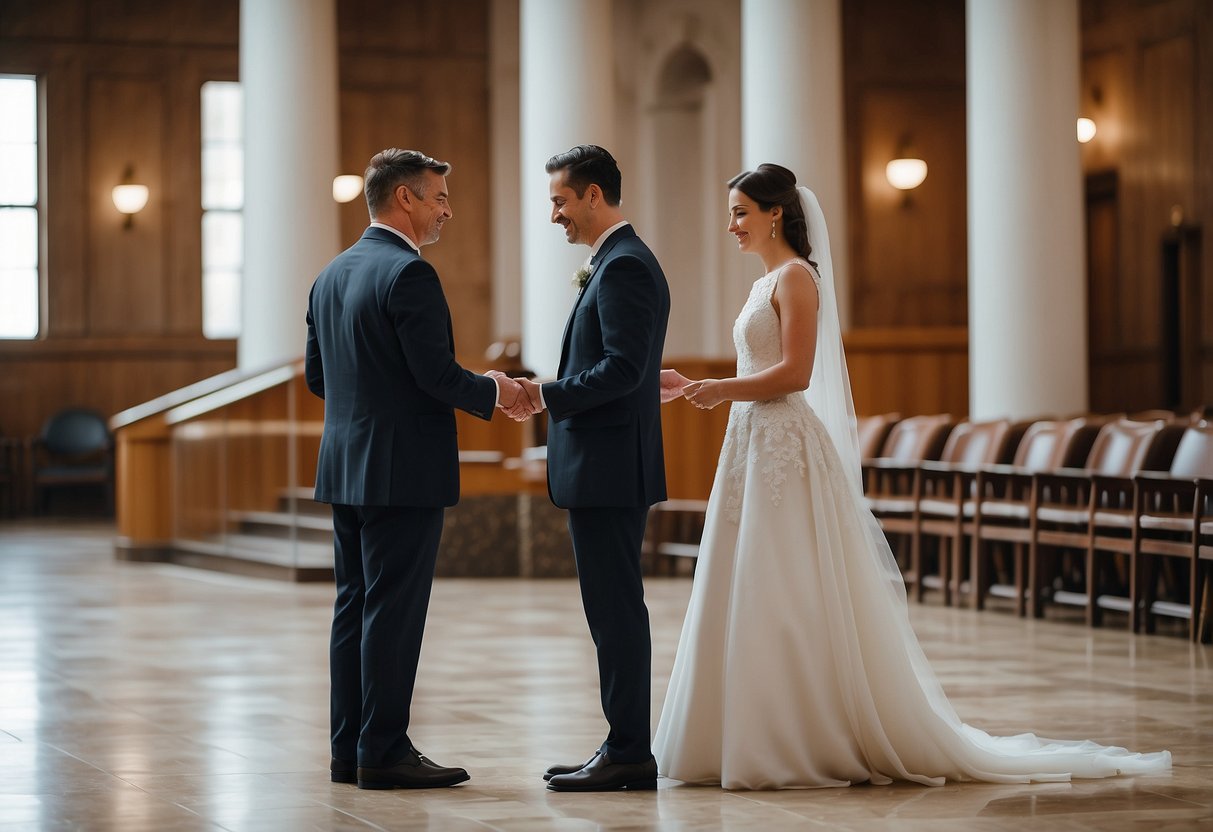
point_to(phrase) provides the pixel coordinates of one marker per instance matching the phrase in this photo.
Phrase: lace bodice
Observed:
(756, 333)
(769, 433)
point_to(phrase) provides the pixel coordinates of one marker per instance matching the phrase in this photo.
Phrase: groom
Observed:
(605, 460)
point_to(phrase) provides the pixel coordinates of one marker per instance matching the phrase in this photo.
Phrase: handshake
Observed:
(519, 397)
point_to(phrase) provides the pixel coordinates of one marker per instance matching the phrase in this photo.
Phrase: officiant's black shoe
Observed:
(601, 775)
(342, 772)
(413, 772)
(555, 770)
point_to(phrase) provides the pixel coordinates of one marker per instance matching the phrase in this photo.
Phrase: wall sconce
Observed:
(129, 198)
(347, 187)
(906, 174)
(1086, 130)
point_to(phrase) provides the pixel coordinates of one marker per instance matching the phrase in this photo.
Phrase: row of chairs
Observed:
(74, 448)
(1102, 511)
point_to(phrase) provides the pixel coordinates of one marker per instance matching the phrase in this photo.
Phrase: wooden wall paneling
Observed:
(418, 27)
(908, 265)
(373, 120)
(38, 19)
(39, 378)
(181, 22)
(914, 247)
(65, 212)
(378, 113)
(126, 265)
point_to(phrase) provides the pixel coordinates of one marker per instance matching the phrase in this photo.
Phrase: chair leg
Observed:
(944, 547)
(1092, 576)
(1206, 603)
(1194, 596)
(1021, 588)
(916, 565)
(977, 574)
(1034, 580)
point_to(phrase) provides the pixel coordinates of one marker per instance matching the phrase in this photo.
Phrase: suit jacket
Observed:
(381, 353)
(604, 432)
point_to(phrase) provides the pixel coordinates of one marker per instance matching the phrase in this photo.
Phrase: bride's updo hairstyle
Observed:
(772, 185)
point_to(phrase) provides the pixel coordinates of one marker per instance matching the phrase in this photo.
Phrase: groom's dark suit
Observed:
(381, 353)
(606, 466)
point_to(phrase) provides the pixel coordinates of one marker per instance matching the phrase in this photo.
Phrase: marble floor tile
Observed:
(141, 696)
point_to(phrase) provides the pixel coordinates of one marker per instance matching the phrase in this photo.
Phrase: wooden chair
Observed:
(74, 448)
(891, 480)
(1003, 498)
(674, 530)
(1172, 512)
(946, 506)
(1071, 505)
(873, 432)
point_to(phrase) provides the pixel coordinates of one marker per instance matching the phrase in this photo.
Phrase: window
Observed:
(18, 207)
(222, 207)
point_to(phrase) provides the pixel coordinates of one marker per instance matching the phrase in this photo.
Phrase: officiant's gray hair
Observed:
(393, 167)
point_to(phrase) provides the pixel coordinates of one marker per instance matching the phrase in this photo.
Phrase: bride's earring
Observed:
(772, 229)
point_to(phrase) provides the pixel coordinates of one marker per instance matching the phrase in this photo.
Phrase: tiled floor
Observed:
(144, 697)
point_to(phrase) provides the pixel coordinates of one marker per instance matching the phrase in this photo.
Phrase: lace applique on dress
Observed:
(768, 436)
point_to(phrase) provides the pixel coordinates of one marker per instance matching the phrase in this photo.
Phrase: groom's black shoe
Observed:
(413, 772)
(555, 770)
(601, 775)
(342, 772)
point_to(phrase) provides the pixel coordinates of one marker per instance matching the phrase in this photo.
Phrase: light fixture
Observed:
(347, 187)
(906, 173)
(1086, 130)
(129, 197)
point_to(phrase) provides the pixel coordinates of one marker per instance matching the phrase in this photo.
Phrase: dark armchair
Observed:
(75, 448)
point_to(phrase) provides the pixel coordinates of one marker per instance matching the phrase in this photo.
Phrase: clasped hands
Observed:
(519, 397)
(704, 394)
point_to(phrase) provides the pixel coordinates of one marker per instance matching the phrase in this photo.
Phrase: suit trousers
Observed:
(606, 543)
(384, 568)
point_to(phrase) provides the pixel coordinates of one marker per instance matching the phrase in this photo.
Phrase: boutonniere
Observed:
(582, 275)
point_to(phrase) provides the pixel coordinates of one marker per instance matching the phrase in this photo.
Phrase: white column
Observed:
(506, 179)
(567, 99)
(1027, 285)
(288, 70)
(792, 108)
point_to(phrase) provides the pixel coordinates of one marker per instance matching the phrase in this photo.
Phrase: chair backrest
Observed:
(1122, 447)
(976, 443)
(873, 431)
(1049, 444)
(1194, 455)
(917, 438)
(75, 431)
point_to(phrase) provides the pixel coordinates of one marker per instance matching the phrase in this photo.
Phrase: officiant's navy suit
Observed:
(606, 466)
(381, 353)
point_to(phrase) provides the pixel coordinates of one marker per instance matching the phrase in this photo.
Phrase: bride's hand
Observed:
(704, 394)
(672, 384)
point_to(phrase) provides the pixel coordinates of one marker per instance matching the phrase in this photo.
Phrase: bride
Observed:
(797, 666)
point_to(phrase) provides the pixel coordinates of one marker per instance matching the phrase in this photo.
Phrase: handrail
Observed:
(176, 398)
(231, 393)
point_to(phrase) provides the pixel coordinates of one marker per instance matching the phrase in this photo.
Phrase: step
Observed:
(257, 556)
(316, 528)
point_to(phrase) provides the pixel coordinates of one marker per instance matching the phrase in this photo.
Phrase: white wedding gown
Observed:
(797, 666)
